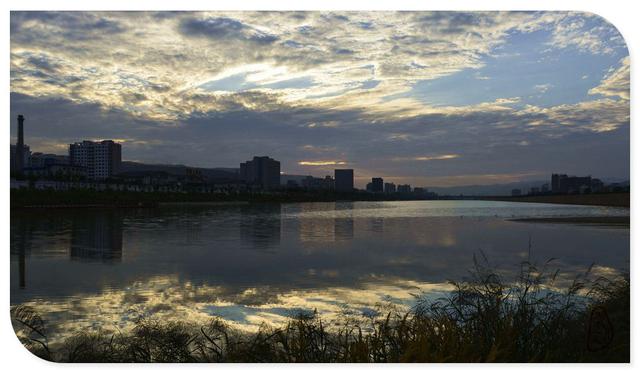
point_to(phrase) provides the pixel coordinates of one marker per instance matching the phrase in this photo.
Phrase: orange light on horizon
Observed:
(428, 158)
(321, 163)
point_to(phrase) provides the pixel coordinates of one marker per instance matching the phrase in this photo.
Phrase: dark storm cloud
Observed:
(224, 28)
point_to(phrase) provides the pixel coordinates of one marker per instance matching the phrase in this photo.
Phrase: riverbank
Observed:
(609, 221)
(35, 198)
(604, 199)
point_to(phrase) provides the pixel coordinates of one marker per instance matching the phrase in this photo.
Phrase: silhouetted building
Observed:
(563, 184)
(100, 159)
(555, 182)
(317, 183)
(597, 185)
(516, 192)
(194, 175)
(43, 160)
(57, 171)
(404, 188)
(19, 158)
(377, 185)
(544, 188)
(369, 187)
(26, 157)
(262, 171)
(389, 187)
(52, 165)
(343, 180)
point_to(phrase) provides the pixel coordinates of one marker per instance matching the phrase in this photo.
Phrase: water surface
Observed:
(253, 264)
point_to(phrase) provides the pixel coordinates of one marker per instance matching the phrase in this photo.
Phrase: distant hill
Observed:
(211, 174)
(504, 189)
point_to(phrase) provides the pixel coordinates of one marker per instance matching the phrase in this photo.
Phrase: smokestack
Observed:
(20, 144)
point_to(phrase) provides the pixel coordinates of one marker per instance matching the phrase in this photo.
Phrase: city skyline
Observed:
(433, 99)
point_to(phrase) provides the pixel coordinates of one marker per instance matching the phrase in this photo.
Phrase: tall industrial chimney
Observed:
(20, 144)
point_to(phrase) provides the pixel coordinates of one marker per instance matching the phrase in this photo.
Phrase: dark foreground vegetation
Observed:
(485, 319)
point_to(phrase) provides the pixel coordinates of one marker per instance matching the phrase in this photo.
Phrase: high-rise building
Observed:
(262, 171)
(389, 187)
(556, 180)
(343, 180)
(100, 159)
(404, 188)
(377, 185)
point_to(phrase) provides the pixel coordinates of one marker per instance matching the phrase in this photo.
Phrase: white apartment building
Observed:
(101, 159)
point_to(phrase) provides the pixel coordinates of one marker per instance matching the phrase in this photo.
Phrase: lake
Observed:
(254, 264)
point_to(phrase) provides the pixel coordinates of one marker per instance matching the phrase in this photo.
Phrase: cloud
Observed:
(76, 26)
(181, 51)
(587, 33)
(43, 62)
(224, 28)
(542, 88)
(616, 83)
(596, 116)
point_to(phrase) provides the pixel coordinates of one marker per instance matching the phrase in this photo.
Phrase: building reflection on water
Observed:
(21, 246)
(97, 237)
(260, 227)
(344, 224)
(317, 223)
(86, 236)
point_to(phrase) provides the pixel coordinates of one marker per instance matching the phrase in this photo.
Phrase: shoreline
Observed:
(29, 199)
(608, 221)
(604, 199)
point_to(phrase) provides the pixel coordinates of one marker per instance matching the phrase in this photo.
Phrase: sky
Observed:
(425, 98)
